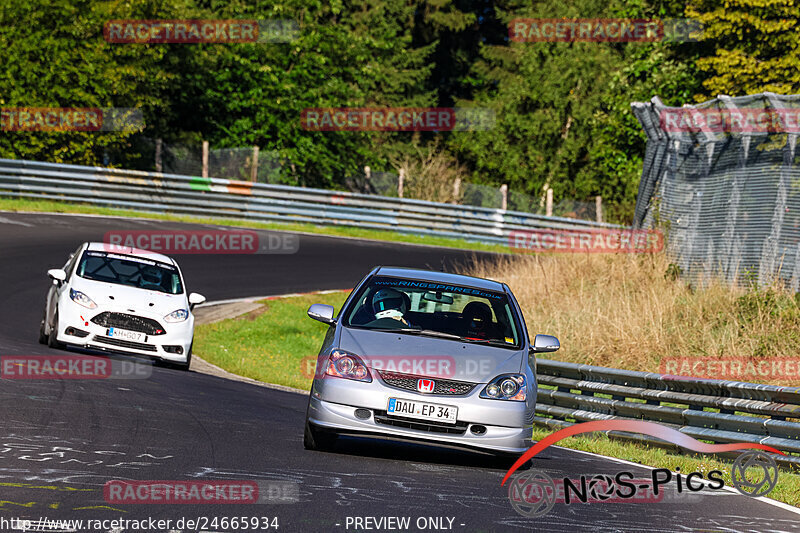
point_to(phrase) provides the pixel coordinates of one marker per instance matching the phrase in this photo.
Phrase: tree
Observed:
(55, 56)
(751, 46)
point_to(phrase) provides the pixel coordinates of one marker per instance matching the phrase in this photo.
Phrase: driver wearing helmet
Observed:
(390, 303)
(151, 276)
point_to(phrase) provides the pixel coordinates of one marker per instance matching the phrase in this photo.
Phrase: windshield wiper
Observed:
(443, 335)
(418, 331)
(492, 342)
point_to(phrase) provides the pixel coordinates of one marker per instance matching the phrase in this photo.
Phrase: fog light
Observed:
(477, 429)
(363, 414)
(173, 349)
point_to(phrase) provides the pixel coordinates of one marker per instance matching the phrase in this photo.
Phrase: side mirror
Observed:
(195, 299)
(322, 313)
(545, 344)
(58, 275)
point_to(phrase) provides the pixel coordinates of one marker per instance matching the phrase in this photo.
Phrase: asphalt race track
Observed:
(62, 440)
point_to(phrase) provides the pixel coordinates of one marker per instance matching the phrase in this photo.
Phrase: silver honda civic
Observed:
(426, 356)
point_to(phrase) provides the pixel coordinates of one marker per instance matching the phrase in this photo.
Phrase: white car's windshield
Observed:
(437, 309)
(131, 271)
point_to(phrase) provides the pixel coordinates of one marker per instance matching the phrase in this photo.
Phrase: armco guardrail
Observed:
(190, 195)
(710, 410)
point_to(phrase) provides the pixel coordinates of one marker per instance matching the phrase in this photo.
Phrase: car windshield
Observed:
(131, 271)
(436, 309)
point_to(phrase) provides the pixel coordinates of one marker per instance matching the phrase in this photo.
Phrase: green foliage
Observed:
(752, 46)
(767, 303)
(563, 109)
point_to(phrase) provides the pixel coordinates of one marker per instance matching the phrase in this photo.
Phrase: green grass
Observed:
(49, 206)
(274, 346)
(277, 345)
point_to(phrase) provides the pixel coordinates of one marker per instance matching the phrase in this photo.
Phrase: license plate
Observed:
(127, 335)
(422, 410)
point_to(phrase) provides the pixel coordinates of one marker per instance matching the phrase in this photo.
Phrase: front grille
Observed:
(125, 344)
(129, 322)
(409, 382)
(459, 428)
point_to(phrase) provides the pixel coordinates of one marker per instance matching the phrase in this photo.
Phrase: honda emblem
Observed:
(426, 385)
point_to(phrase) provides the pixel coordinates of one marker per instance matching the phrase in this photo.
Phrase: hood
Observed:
(429, 356)
(123, 299)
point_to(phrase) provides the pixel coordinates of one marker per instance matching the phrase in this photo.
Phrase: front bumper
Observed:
(493, 425)
(76, 328)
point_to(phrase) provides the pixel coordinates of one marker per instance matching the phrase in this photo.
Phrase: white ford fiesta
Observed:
(119, 299)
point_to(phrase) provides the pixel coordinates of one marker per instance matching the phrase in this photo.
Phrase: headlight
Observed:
(177, 316)
(506, 387)
(81, 299)
(346, 365)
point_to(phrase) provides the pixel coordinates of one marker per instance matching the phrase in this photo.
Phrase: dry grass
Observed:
(626, 311)
(430, 174)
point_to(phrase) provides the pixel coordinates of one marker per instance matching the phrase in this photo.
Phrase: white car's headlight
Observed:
(81, 299)
(506, 387)
(177, 316)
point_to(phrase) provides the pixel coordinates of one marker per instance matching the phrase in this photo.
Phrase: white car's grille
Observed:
(129, 322)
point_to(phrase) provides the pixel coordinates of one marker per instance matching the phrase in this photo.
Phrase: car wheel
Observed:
(52, 338)
(315, 438)
(42, 334)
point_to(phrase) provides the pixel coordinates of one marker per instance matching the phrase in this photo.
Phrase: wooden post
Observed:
(504, 196)
(598, 207)
(549, 206)
(158, 155)
(254, 165)
(456, 190)
(205, 159)
(400, 180)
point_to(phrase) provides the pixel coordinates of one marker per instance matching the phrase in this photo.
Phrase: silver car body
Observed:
(502, 426)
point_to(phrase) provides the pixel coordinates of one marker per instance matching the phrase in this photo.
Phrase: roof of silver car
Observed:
(441, 277)
(127, 250)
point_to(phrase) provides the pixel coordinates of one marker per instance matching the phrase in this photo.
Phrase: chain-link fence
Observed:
(238, 163)
(723, 179)
(187, 160)
(380, 183)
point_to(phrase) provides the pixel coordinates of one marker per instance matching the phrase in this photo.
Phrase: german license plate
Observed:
(126, 334)
(422, 410)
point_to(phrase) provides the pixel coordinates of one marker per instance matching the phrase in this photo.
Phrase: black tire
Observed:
(42, 334)
(318, 439)
(52, 338)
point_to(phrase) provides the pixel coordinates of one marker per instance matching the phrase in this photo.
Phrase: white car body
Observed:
(125, 319)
